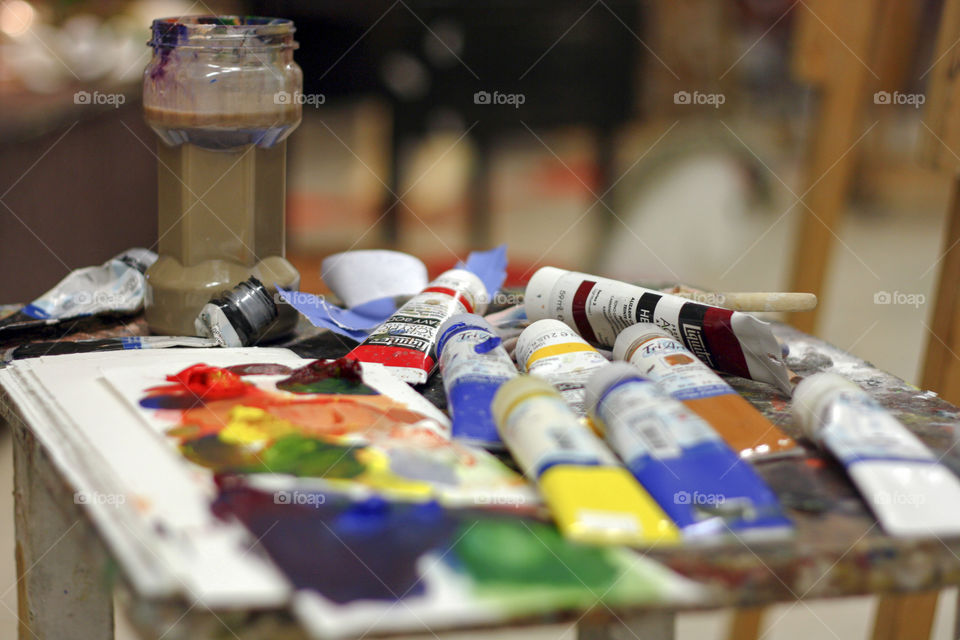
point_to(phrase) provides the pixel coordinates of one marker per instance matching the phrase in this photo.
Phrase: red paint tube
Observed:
(600, 308)
(405, 341)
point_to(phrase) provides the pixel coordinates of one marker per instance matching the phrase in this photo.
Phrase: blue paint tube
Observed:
(474, 365)
(682, 462)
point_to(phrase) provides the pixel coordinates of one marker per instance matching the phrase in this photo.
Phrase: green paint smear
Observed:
(293, 454)
(302, 456)
(211, 452)
(525, 565)
(329, 385)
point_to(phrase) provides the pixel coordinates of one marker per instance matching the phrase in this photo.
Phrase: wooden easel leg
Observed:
(941, 370)
(905, 617)
(745, 624)
(645, 626)
(830, 171)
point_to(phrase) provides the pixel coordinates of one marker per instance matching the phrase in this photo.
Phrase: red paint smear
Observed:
(393, 356)
(723, 343)
(580, 311)
(205, 383)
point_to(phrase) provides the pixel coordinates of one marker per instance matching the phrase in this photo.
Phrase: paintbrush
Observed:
(750, 301)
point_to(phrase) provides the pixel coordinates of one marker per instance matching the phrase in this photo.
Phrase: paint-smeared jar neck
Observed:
(239, 34)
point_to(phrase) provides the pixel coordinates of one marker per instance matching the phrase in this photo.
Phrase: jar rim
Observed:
(222, 32)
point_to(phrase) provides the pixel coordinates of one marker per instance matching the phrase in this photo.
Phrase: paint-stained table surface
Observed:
(837, 550)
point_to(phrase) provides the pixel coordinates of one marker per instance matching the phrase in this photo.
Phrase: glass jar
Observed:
(222, 93)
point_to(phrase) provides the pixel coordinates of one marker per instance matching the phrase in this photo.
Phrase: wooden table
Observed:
(68, 573)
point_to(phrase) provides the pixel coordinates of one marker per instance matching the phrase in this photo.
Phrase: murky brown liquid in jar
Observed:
(221, 212)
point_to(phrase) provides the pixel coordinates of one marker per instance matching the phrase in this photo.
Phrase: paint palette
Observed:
(344, 558)
(332, 426)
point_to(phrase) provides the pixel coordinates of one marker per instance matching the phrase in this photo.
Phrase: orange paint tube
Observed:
(665, 360)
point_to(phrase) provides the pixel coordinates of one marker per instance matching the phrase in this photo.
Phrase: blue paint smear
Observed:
(488, 345)
(182, 401)
(363, 551)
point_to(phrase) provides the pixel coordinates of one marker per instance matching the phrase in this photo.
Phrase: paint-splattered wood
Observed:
(838, 549)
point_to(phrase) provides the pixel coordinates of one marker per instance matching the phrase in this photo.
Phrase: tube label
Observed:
(557, 354)
(855, 428)
(725, 340)
(541, 433)
(405, 340)
(676, 371)
(460, 362)
(640, 424)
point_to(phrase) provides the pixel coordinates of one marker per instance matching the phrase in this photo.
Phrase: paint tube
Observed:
(684, 464)
(591, 496)
(85, 300)
(664, 359)
(600, 308)
(551, 350)
(38, 349)
(474, 365)
(117, 286)
(238, 317)
(405, 341)
(909, 491)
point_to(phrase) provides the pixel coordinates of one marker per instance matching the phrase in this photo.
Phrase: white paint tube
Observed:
(600, 308)
(909, 491)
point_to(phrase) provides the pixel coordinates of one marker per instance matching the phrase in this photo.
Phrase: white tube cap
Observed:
(604, 377)
(536, 298)
(512, 391)
(810, 396)
(635, 333)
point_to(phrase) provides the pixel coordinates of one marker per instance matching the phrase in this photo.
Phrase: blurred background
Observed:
(660, 141)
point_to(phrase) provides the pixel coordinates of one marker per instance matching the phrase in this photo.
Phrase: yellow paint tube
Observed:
(592, 497)
(551, 350)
